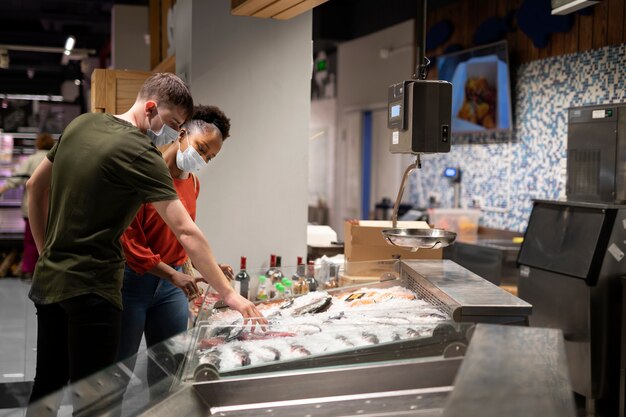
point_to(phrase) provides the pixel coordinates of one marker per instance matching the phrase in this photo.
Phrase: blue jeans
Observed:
(151, 305)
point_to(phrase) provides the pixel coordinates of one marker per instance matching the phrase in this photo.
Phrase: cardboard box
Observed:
(365, 242)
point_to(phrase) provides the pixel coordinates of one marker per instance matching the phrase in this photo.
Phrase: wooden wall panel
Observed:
(606, 25)
(600, 23)
(615, 24)
(570, 39)
(585, 32)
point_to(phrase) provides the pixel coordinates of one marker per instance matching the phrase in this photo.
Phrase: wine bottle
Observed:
(243, 278)
(278, 273)
(310, 277)
(299, 279)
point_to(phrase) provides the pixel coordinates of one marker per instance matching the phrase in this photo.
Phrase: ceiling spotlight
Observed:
(69, 44)
(30, 72)
(67, 52)
(77, 81)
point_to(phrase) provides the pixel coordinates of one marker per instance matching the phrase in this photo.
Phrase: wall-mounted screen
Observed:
(481, 98)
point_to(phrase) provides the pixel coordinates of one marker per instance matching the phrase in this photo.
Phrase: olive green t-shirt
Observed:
(103, 169)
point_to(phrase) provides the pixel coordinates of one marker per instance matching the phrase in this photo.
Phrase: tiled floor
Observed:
(18, 337)
(18, 341)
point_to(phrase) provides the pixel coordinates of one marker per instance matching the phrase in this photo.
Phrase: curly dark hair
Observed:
(213, 115)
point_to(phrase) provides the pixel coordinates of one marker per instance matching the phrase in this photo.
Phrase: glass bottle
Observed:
(278, 273)
(288, 284)
(310, 276)
(262, 293)
(243, 278)
(280, 290)
(300, 285)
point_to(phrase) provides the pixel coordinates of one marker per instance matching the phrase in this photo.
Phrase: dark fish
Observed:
(315, 307)
(287, 304)
(230, 332)
(242, 355)
(300, 349)
(370, 337)
(275, 351)
(344, 340)
(396, 336)
(413, 333)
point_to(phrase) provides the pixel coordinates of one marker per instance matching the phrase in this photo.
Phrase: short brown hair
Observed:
(44, 141)
(167, 89)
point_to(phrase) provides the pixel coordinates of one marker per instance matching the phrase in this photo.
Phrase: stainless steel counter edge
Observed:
(468, 294)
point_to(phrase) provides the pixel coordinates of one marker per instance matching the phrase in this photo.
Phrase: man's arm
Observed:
(38, 187)
(189, 235)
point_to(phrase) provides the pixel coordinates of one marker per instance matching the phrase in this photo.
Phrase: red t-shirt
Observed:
(148, 240)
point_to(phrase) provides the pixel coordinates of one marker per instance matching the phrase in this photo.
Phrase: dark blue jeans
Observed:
(152, 306)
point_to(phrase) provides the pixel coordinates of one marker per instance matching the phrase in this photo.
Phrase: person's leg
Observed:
(30, 256)
(93, 334)
(167, 317)
(137, 296)
(52, 370)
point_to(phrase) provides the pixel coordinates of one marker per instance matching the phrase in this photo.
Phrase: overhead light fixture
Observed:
(562, 7)
(34, 97)
(69, 44)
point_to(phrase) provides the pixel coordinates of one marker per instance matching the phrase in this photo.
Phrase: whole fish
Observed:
(345, 340)
(242, 355)
(370, 338)
(300, 349)
(273, 350)
(316, 306)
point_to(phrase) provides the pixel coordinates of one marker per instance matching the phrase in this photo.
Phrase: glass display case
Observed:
(406, 331)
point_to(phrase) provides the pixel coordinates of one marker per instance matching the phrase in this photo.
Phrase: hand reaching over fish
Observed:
(247, 309)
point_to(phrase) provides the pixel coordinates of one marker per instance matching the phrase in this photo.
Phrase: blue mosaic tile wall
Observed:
(505, 171)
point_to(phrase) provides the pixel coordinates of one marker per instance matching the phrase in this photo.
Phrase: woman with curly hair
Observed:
(153, 303)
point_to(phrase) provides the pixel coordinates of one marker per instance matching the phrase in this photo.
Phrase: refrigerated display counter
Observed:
(395, 347)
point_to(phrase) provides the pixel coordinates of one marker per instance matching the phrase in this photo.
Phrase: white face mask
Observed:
(189, 160)
(164, 136)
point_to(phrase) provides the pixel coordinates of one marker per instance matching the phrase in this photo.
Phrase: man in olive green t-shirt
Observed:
(82, 198)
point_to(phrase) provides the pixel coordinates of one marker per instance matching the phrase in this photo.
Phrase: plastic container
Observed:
(463, 222)
(263, 291)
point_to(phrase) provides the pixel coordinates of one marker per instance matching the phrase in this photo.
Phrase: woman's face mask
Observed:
(189, 160)
(164, 136)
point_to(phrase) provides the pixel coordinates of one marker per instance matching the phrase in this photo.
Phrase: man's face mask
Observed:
(164, 136)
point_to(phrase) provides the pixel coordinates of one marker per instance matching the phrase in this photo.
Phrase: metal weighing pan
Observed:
(414, 239)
